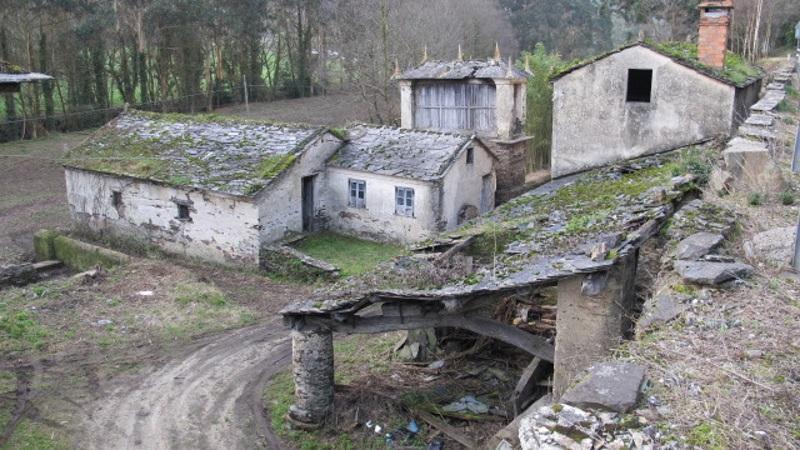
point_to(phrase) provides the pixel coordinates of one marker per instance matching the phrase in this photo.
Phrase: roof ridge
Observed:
(414, 130)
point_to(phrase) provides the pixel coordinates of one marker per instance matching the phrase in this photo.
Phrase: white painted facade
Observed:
(220, 228)
(377, 220)
(281, 205)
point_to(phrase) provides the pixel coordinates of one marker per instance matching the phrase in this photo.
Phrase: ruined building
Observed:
(648, 98)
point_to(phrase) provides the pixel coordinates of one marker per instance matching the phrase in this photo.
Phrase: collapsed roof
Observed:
(231, 156)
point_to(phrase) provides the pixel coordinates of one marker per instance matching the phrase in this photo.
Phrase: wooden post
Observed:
(246, 100)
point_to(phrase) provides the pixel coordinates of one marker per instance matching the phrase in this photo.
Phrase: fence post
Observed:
(796, 169)
(246, 100)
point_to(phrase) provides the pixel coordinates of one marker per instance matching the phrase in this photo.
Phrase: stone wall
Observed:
(594, 125)
(281, 204)
(378, 220)
(464, 185)
(221, 228)
(511, 168)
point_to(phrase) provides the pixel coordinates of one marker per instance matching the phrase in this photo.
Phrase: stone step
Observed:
(757, 133)
(760, 120)
(769, 102)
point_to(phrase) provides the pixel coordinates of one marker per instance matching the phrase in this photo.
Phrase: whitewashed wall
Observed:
(222, 228)
(280, 205)
(593, 125)
(463, 184)
(378, 220)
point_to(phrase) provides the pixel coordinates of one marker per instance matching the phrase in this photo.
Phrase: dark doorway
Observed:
(308, 203)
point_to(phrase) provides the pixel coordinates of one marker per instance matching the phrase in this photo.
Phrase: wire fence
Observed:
(76, 120)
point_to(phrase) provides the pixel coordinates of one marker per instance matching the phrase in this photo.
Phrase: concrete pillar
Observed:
(406, 104)
(593, 314)
(521, 102)
(505, 108)
(312, 361)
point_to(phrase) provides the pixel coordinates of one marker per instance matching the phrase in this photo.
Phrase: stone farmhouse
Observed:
(224, 189)
(643, 99)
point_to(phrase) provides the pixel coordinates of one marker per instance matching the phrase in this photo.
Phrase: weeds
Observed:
(755, 199)
(787, 198)
(203, 293)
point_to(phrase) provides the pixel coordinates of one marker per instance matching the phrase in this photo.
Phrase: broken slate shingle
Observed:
(698, 245)
(612, 386)
(711, 273)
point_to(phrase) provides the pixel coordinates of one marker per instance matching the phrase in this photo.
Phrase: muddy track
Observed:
(208, 397)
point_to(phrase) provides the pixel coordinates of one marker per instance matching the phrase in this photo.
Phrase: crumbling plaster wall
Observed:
(463, 184)
(593, 125)
(222, 228)
(281, 203)
(378, 220)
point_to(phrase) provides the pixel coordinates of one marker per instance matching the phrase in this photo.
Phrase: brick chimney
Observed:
(715, 22)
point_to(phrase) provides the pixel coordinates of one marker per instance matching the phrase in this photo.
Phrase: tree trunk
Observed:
(11, 107)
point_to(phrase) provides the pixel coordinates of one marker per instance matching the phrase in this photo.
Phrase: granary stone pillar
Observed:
(406, 104)
(505, 107)
(593, 314)
(312, 361)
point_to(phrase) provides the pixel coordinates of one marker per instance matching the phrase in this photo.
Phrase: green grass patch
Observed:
(203, 293)
(706, 436)
(351, 255)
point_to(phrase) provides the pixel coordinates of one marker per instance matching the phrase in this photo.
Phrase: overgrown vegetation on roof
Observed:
(206, 151)
(351, 255)
(736, 71)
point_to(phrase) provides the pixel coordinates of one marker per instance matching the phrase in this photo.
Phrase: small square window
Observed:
(183, 212)
(640, 85)
(470, 155)
(116, 199)
(404, 201)
(358, 194)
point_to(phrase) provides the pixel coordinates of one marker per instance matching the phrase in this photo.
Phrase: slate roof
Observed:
(686, 59)
(400, 152)
(16, 78)
(461, 70)
(232, 156)
(11, 74)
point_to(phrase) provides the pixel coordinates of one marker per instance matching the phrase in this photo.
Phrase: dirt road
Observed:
(209, 397)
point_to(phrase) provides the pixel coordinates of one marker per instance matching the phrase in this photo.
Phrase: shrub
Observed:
(787, 198)
(755, 199)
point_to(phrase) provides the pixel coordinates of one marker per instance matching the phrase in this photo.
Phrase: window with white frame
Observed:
(358, 194)
(404, 201)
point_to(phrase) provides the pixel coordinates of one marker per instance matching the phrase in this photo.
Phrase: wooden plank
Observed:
(453, 432)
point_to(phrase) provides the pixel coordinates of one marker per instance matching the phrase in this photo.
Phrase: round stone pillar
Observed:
(312, 361)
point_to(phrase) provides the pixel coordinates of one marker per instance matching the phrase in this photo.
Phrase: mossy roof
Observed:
(232, 156)
(13, 74)
(737, 72)
(549, 233)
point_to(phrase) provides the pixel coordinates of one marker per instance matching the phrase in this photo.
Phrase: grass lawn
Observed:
(351, 255)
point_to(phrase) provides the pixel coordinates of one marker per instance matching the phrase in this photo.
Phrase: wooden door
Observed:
(308, 203)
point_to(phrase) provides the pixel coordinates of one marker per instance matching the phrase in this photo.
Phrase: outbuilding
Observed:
(407, 185)
(647, 98)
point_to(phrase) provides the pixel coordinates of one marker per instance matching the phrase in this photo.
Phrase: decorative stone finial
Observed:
(425, 54)
(497, 56)
(460, 53)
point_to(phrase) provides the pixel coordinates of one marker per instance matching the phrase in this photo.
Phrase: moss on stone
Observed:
(271, 166)
(43, 245)
(81, 256)
(736, 70)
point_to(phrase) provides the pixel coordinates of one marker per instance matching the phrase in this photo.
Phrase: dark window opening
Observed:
(470, 155)
(640, 85)
(116, 199)
(183, 212)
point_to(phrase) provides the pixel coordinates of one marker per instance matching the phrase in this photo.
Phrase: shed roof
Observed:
(13, 74)
(736, 72)
(232, 156)
(399, 152)
(461, 70)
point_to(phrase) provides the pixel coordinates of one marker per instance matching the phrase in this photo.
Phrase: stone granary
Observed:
(12, 77)
(648, 98)
(487, 98)
(223, 189)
